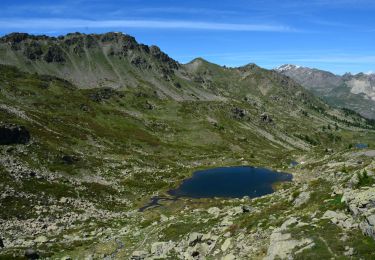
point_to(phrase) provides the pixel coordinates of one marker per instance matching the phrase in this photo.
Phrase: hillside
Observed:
(88, 138)
(356, 92)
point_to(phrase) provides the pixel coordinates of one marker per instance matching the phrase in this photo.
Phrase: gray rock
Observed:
(288, 223)
(1, 243)
(349, 251)
(161, 249)
(229, 257)
(41, 239)
(139, 255)
(282, 245)
(226, 245)
(362, 205)
(371, 220)
(214, 211)
(302, 198)
(340, 219)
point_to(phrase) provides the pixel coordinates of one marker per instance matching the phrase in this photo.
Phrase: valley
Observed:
(100, 124)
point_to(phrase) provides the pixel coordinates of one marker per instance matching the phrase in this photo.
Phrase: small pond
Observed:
(230, 182)
(361, 146)
(224, 182)
(293, 164)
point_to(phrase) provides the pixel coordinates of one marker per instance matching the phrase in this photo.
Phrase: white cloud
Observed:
(184, 10)
(60, 24)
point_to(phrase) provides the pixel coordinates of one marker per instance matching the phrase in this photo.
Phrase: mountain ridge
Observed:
(353, 91)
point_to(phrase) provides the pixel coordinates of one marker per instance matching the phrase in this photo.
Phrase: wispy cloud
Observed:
(50, 9)
(69, 24)
(185, 10)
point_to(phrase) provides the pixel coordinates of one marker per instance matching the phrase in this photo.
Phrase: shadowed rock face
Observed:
(13, 134)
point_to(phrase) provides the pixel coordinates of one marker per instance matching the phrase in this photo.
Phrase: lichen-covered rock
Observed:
(161, 249)
(340, 219)
(362, 204)
(226, 245)
(302, 198)
(139, 255)
(282, 245)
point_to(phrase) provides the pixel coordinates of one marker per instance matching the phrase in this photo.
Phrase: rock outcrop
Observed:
(282, 244)
(302, 199)
(266, 118)
(340, 219)
(361, 203)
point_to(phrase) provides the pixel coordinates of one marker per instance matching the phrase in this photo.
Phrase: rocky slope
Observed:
(79, 160)
(356, 92)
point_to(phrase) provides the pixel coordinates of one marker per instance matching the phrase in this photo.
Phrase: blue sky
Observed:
(335, 35)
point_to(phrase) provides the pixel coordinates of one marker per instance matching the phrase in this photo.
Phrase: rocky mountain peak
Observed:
(87, 60)
(354, 91)
(287, 67)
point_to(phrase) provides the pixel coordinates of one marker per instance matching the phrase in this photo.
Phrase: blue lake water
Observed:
(293, 163)
(361, 146)
(230, 182)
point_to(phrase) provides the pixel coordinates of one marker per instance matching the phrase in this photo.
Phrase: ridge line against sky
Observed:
(334, 35)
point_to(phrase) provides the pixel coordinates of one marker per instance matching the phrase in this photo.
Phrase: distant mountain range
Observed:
(356, 92)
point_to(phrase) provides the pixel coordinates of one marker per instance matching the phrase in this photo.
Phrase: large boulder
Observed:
(13, 134)
(139, 255)
(340, 219)
(161, 249)
(302, 199)
(282, 245)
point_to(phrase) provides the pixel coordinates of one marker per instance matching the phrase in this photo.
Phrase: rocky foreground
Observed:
(327, 212)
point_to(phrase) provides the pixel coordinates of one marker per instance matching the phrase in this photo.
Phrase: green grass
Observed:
(329, 243)
(364, 179)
